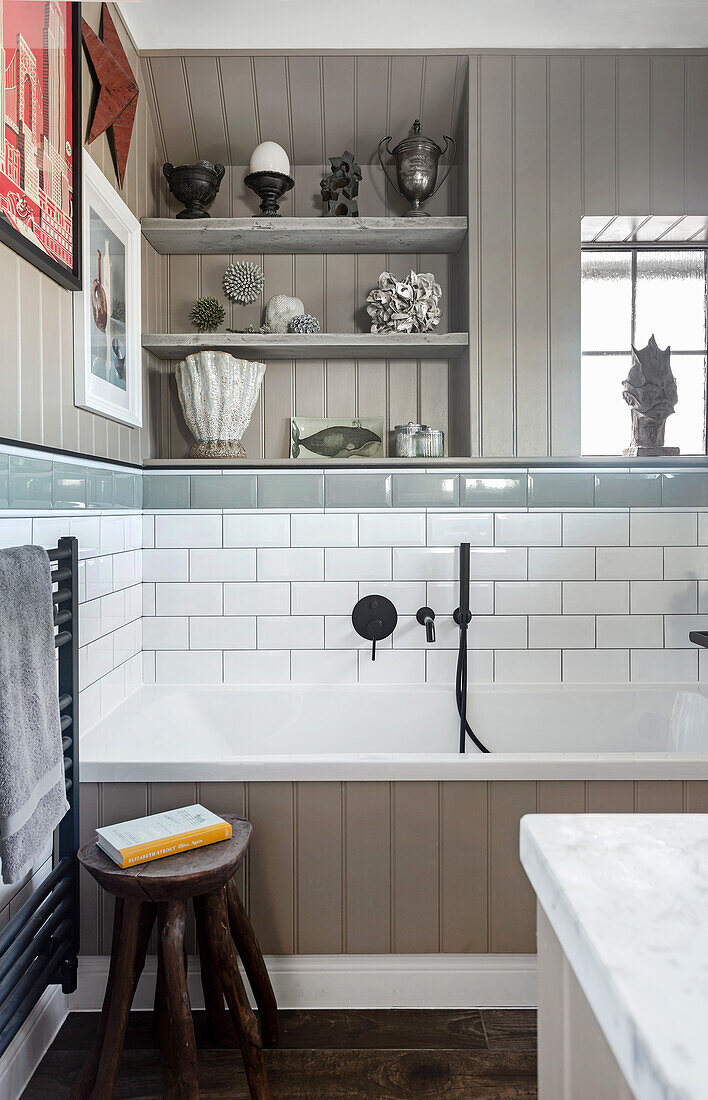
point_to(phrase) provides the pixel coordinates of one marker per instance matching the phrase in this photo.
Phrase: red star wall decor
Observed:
(118, 90)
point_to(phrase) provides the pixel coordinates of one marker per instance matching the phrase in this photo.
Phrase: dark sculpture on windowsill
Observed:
(650, 391)
(341, 187)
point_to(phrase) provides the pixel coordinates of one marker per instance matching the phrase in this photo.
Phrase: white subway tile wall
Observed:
(211, 596)
(110, 598)
(110, 606)
(579, 597)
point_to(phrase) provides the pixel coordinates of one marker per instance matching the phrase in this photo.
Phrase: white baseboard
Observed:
(354, 981)
(32, 1042)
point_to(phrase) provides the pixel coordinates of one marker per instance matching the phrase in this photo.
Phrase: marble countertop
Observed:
(627, 897)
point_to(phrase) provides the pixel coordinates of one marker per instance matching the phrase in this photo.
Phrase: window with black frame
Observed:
(628, 294)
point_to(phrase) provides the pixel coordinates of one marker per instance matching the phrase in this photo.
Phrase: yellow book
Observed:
(160, 835)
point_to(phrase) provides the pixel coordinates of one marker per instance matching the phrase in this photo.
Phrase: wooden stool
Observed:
(160, 890)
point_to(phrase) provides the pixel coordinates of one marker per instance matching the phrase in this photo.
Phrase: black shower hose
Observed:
(461, 693)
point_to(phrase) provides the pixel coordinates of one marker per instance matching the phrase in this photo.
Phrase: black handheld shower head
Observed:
(462, 617)
(462, 614)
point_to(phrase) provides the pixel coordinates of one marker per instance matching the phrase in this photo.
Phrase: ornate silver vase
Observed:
(416, 158)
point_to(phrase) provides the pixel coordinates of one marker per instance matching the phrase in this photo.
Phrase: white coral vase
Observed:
(218, 394)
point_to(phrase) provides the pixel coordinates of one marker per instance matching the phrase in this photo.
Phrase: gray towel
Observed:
(32, 795)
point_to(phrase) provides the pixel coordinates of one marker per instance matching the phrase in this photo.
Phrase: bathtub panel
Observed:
(696, 797)
(659, 797)
(318, 809)
(271, 890)
(610, 796)
(415, 867)
(561, 797)
(227, 798)
(367, 886)
(463, 867)
(119, 802)
(89, 890)
(375, 867)
(512, 902)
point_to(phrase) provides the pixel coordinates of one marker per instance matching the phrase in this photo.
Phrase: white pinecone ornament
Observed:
(243, 282)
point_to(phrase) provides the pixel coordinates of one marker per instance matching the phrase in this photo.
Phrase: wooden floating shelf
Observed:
(304, 235)
(321, 345)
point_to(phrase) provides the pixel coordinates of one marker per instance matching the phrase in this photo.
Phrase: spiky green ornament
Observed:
(207, 314)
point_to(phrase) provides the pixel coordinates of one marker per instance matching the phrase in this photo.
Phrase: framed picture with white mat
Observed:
(107, 348)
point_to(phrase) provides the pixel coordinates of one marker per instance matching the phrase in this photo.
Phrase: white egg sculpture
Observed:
(270, 157)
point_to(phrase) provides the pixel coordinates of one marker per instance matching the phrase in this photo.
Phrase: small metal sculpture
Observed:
(243, 282)
(303, 324)
(341, 187)
(405, 305)
(417, 160)
(650, 391)
(207, 314)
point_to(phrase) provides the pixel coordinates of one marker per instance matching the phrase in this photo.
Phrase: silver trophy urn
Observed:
(416, 158)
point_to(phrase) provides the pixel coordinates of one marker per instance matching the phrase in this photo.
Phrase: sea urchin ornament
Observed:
(243, 282)
(303, 324)
(207, 314)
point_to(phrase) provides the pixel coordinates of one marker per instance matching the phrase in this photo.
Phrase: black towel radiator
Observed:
(39, 946)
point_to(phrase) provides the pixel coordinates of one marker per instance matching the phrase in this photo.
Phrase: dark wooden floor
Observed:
(360, 1055)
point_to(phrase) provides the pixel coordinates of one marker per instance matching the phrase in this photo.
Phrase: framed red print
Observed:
(40, 135)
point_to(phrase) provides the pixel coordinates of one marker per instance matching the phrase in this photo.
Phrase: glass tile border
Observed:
(38, 481)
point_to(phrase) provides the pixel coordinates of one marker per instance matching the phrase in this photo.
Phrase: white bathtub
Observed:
(354, 733)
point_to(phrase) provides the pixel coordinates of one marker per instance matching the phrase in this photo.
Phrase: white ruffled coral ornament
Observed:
(404, 305)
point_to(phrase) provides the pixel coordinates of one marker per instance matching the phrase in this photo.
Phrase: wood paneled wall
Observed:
(36, 336)
(546, 139)
(220, 107)
(379, 868)
(334, 289)
(553, 137)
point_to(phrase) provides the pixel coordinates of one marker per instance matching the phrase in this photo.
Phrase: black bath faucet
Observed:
(426, 618)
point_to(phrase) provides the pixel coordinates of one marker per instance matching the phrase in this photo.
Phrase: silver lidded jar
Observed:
(430, 443)
(418, 441)
(416, 158)
(405, 439)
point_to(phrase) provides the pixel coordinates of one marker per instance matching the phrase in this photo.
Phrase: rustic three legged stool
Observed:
(160, 891)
